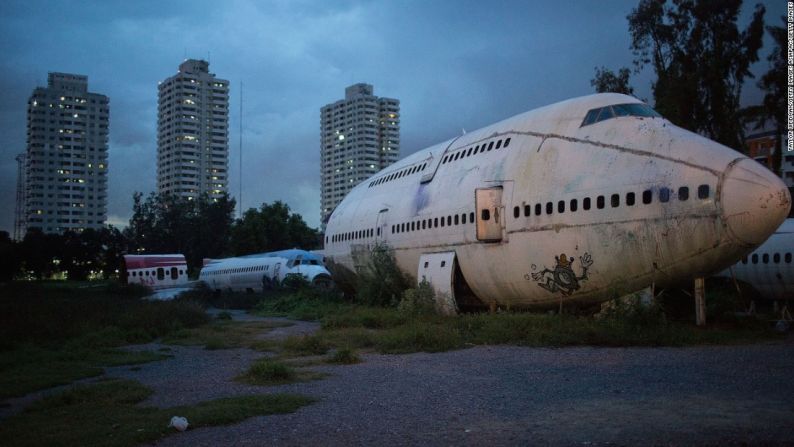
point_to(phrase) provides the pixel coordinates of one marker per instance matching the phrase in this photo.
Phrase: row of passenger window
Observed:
(765, 258)
(433, 222)
(157, 272)
(399, 174)
(255, 268)
(353, 235)
(481, 148)
(647, 198)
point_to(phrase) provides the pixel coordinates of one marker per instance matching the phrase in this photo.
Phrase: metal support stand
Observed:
(700, 301)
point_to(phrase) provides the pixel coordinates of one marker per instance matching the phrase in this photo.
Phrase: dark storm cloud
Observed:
(453, 65)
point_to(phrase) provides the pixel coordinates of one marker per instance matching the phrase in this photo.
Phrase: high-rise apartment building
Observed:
(67, 156)
(193, 132)
(360, 135)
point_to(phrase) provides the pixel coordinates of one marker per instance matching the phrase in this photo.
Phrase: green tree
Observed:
(606, 81)
(197, 228)
(40, 253)
(114, 246)
(80, 254)
(141, 231)
(272, 227)
(774, 83)
(214, 228)
(701, 60)
(9, 257)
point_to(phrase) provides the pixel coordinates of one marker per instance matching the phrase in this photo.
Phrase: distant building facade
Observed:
(761, 147)
(66, 162)
(20, 216)
(360, 135)
(193, 133)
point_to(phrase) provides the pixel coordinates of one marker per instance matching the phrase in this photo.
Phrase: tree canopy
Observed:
(701, 60)
(272, 227)
(607, 81)
(160, 224)
(774, 83)
(170, 224)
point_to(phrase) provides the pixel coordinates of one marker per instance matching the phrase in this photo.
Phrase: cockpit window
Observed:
(607, 112)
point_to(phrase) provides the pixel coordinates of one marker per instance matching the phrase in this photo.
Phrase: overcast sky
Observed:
(452, 64)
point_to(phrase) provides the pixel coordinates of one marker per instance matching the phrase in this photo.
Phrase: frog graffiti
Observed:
(562, 278)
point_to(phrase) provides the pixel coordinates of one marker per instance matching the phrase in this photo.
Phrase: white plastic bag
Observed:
(179, 423)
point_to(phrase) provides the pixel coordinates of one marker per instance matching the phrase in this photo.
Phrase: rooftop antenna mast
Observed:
(240, 205)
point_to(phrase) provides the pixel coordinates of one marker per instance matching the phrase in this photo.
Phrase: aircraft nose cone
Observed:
(754, 201)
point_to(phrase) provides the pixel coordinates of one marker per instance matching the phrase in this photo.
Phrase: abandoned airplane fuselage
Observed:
(770, 268)
(577, 201)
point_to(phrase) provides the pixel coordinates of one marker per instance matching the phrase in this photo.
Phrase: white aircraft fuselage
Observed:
(264, 271)
(770, 268)
(578, 201)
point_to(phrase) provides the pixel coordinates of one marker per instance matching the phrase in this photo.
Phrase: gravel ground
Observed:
(512, 396)
(501, 395)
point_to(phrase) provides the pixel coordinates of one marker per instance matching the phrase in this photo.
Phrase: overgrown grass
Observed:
(53, 333)
(222, 300)
(413, 326)
(272, 372)
(303, 304)
(306, 345)
(51, 313)
(29, 368)
(107, 414)
(223, 334)
(526, 329)
(344, 356)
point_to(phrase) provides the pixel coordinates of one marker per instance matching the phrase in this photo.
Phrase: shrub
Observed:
(345, 356)
(632, 312)
(265, 371)
(294, 281)
(380, 281)
(418, 301)
(302, 304)
(306, 345)
(215, 343)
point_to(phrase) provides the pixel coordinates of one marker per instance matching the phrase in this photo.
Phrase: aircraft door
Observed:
(277, 273)
(439, 269)
(382, 226)
(490, 214)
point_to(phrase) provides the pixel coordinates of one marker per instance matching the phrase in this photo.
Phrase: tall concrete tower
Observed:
(19, 210)
(193, 132)
(360, 135)
(67, 156)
